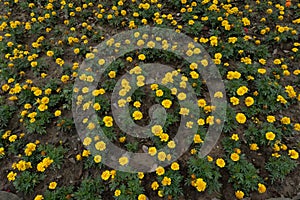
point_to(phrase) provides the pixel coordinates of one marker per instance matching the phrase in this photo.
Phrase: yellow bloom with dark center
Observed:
(97, 158)
(87, 141)
(239, 194)
(142, 197)
(201, 103)
(137, 115)
(175, 166)
(285, 120)
(166, 181)
(160, 171)
(11, 176)
(197, 139)
(254, 147)
(270, 136)
(261, 188)
(123, 160)
(220, 162)
(293, 154)
(235, 137)
(12, 138)
(161, 156)
(105, 175)
(166, 103)
(91, 126)
(234, 157)
(159, 93)
(164, 137)
(249, 101)
(101, 146)
(181, 96)
(240, 118)
(141, 57)
(52, 185)
(200, 185)
(171, 144)
(154, 185)
(242, 90)
(184, 111)
(117, 193)
(112, 74)
(156, 130)
(271, 118)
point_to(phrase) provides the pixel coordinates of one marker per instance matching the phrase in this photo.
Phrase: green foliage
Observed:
(90, 189)
(208, 171)
(26, 181)
(6, 115)
(59, 193)
(280, 167)
(128, 183)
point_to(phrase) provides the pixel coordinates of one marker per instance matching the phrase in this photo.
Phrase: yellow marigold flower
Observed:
(201, 103)
(101, 146)
(249, 101)
(175, 166)
(171, 144)
(164, 137)
(86, 153)
(197, 139)
(64, 78)
(181, 96)
(271, 118)
(123, 161)
(12, 138)
(142, 197)
(297, 127)
(87, 141)
(2, 152)
(39, 197)
(254, 147)
(240, 118)
(161, 156)
(200, 185)
(137, 115)
(166, 181)
(261, 188)
(218, 94)
(137, 104)
(293, 154)
(154, 185)
(234, 157)
(270, 136)
(277, 61)
(220, 162)
(235, 101)
(184, 111)
(105, 175)
(91, 126)
(112, 74)
(239, 194)
(210, 159)
(97, 158)
(141, 57)
(52, 185)
(242, 90)
(117, 193)
(97, 106)
(235, 137)
(160, 171)
(285, 120)
(11, 176)
(156, 130)
(159, 93)
(166, 103)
